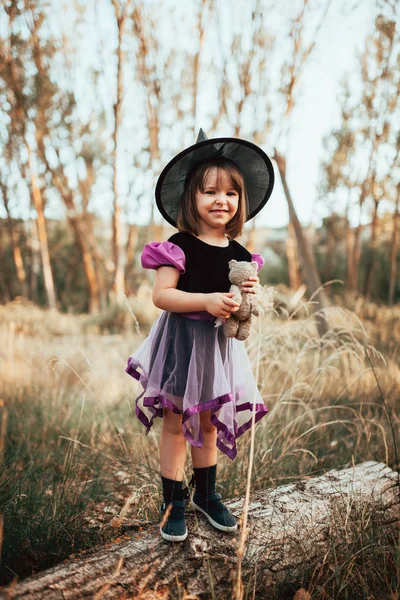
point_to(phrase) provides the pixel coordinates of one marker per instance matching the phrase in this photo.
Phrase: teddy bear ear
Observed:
(254, 263)
(232, 262)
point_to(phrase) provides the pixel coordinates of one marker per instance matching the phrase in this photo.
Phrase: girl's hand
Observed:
(252, 286)
(221, 304)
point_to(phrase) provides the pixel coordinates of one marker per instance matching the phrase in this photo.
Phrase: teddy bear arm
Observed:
(256, 309)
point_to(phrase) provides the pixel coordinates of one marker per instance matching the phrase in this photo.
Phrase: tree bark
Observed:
(290, 527)
(349, 237)
(357, 232)
(292, 258)
(133, 234)
(196, 62)
(147, 58)
(88, 265)
(330, 254)
(42, 233)
(82, 232)
(5, 292)
(393, 252)
(117, 248)
(80, 226)
(14, 241)
(34, 260)
(307, 260)
(250, 242)
(371, 259)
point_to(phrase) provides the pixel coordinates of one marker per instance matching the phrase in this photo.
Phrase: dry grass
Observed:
(69, 418)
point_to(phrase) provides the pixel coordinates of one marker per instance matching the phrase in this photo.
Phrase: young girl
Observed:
(197, 380)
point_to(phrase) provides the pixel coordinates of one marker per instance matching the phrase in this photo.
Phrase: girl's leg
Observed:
(172, 461)
(206, 456)
(172, 446)
(205, 498)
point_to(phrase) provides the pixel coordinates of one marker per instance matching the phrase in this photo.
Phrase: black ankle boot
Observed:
(207, 501)
(174, 527)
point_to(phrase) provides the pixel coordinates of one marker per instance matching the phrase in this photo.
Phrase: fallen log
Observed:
(289, 527)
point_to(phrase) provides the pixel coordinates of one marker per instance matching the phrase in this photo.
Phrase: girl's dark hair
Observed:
(188, 217)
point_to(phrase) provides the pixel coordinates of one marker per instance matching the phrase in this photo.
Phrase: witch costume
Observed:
(186, 363)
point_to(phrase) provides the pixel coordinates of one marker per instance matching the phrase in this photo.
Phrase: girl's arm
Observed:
(167, 297)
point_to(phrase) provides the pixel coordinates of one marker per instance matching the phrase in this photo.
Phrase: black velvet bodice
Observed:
(207, 268)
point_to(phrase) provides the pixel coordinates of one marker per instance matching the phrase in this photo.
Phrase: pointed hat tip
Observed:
(201, 137)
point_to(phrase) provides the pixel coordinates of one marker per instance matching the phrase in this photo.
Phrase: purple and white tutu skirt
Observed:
(189, 366)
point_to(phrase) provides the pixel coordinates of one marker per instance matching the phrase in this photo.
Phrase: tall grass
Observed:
(75, 461)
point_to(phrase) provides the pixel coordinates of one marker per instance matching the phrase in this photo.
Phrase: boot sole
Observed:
(173, 538)
(214, 523)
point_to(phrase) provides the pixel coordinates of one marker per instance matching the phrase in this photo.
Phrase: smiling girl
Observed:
(199, 382)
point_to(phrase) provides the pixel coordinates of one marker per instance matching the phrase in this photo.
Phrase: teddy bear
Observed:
(239, 323)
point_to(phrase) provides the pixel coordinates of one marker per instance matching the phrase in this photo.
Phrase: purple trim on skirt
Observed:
(130, 369)
(214, 405)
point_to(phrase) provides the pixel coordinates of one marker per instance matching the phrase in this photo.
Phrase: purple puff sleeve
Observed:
(160, 254)
(259, 259)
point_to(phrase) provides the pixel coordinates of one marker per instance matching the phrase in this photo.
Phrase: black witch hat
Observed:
(254, 164)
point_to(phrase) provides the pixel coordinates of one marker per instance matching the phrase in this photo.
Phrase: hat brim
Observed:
(254, 164)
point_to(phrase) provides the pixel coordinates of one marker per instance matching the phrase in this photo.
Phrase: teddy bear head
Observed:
(240, 271)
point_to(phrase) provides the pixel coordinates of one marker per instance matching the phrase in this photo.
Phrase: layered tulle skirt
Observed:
(190, 366)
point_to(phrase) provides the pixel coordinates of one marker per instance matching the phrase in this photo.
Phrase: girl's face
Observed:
(217, 204)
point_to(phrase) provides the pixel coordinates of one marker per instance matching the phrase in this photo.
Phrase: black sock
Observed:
(172, 490)
(205, 478)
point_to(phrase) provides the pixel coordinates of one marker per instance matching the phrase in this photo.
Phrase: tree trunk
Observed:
(290, 527)
(292, 258)
(355, 258)
(91, 277)
(42, 233)
(153, 126)
(133, 234)
(330, 255)
(85, 240)
(16, 250)
(117, 249)
(393, 252)
(349, 235)
(196, 62)
(34, 254)
(351, 283)
(147, 56)
(371, 258)
(250, 245)
(309, 267)
(4, 290)
(81, 227)
(151, 227)
(88, 265)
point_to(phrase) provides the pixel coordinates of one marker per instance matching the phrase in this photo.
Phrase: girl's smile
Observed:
(217, 204)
